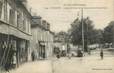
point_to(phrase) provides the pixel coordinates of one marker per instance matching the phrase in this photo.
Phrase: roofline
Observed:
(24, 8)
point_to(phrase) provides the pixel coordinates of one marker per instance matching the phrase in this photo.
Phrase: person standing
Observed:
(101, 54)
(33, 56)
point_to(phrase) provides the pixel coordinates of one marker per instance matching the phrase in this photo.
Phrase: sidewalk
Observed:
(87, 64)
(43, 66)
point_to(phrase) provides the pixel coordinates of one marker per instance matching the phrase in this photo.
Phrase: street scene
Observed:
(56, 36)
(87, 64)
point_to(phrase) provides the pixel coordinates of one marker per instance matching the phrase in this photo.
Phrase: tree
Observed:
(62, 36)
(108, 34)
(76, 32)
(90, 34)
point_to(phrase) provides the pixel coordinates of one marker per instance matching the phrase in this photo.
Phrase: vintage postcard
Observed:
(56, 36)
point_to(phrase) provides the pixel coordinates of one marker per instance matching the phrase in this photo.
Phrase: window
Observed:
(28, 25)
(1, 8)
(12, 17)
(18, 17)
(19, 21)
(24, 23)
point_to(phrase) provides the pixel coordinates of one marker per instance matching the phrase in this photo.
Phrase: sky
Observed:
(61, 13)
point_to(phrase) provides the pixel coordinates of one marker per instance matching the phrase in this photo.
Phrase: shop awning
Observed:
(6, 29)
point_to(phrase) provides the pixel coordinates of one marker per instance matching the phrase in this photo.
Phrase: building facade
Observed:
(15, 32)
(42, 38)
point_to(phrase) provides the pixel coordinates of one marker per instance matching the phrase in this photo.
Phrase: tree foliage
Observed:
(91, 35)
(109, 33)
(62, 36)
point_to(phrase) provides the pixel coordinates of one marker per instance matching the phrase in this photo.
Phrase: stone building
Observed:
(42, 38)
(15, 32)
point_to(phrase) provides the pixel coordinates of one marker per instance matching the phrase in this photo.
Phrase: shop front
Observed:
(13, 51)
(42, 50)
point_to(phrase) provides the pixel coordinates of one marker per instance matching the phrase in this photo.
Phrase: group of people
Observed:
(79, 54)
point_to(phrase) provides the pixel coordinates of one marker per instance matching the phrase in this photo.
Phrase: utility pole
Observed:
(83, 35)
(83, 44)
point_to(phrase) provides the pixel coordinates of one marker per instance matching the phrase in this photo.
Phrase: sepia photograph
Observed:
(56, 36)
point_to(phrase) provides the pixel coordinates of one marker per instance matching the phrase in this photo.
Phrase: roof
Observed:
(22, 3)
(36, 17)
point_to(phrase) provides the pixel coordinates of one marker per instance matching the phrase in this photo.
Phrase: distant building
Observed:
(15, 32)
(42, 38)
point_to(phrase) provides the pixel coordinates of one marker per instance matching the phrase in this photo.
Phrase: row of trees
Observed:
(91, 35)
